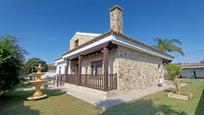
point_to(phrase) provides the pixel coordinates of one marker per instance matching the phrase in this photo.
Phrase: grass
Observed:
(160, 104)
(59, 103)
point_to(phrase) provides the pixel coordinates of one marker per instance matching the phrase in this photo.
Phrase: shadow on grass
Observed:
(200, 106)
(141, 107)
(109, 103)
(13, 102)
(169, 90)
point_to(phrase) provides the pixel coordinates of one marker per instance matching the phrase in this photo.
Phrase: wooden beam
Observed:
(93, 49)
(105, 63)
(66, 70)
(79, 69)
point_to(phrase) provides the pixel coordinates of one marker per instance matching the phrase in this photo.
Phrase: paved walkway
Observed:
(33, 88)
(109, 102)
(102, 102)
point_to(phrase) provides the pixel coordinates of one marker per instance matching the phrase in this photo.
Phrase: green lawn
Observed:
(160, 104)
(59, 103)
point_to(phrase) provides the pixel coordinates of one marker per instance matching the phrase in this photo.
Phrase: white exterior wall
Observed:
(63, 66)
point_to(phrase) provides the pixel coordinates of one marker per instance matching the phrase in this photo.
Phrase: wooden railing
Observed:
(59, 79)
(72, 78)
(112, 81)
(88, 80)
(92, 81)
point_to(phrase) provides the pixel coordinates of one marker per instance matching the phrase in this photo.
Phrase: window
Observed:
(96, 67)
(76, 43)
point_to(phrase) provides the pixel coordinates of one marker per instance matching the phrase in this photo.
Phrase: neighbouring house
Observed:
(111, 63)
(194, 70)
(50, 73)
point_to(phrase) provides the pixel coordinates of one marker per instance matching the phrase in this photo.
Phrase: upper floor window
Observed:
(76, 43)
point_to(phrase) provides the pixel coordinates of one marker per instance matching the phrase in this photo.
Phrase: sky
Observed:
(44, 27)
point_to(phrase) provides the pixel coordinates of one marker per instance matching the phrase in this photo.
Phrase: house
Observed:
(111, 63)
(193, 70)
(50, 73)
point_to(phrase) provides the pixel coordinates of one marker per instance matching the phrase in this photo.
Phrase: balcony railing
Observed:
(88, 80)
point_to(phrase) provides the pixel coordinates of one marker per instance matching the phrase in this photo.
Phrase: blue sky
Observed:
(44, 27)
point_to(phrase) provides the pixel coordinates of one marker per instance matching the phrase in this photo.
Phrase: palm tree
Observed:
(169, 45)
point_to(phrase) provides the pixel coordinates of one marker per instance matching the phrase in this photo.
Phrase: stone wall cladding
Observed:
(86, 62)
(136, 70)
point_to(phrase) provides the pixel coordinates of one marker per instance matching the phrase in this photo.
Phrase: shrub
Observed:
(173, 71)
(11, 61)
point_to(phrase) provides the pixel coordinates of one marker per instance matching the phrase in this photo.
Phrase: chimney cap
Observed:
(116, 6)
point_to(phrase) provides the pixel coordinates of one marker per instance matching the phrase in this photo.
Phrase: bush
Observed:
(11, 61)
(173, 70)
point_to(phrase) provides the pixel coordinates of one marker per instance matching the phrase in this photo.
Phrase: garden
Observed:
(60, 103)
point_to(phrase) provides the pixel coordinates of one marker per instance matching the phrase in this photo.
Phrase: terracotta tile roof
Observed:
(121, 35)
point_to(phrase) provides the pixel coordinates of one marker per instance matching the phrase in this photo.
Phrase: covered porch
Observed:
(90, 68)
(89, 80)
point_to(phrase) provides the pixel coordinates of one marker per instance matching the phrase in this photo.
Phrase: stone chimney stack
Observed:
(116, 19)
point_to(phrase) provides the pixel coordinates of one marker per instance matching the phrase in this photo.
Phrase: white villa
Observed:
(111, 63)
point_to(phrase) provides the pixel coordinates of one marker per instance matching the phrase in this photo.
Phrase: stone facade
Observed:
(86, 62)
(134, 69)
(138, 70)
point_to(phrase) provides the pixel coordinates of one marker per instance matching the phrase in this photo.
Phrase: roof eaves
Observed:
(58, 59)
(90, 42)
(85, 34)
(121, 35)
(138, 42)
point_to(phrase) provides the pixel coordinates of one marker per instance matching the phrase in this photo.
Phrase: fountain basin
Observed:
(37, 97)
(38, 93)
(38, 73)
(182, 95)
(37, 82)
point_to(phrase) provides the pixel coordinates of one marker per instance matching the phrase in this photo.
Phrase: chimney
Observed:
(116, 19)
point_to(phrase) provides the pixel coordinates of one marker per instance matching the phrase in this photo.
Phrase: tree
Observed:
(11, 61)
(30, 65)
(173, 71)
(169, 45)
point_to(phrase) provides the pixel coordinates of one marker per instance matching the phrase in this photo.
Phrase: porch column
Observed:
(105, 63)
(66, 71)
(79, 69)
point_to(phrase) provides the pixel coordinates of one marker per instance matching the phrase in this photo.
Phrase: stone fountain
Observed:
(37, 83)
